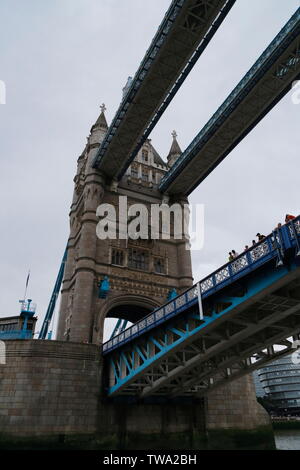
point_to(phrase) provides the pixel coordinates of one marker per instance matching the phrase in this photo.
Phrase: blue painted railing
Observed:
(272, 247)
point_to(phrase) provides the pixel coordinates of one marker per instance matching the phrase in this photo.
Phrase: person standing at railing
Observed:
(246, 248)
(231, 257)
(234, 253)
(289, 217)
(260, 236)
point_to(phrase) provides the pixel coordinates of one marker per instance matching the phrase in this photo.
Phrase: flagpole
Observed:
(26, 285)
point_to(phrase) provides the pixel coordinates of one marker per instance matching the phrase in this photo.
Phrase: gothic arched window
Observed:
(117, 257)
(138, 259)
(159, 266)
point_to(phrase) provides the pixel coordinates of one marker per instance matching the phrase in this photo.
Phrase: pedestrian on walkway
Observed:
(289, 217)
(260, 236)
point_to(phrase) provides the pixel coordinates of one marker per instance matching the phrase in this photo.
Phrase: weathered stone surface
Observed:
(52, 390)
(49, 387)
(234, 406)
(82, 313)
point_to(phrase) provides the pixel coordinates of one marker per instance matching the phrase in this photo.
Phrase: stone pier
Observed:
(51, 396)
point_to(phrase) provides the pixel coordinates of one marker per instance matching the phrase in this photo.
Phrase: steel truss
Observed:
(190, 356)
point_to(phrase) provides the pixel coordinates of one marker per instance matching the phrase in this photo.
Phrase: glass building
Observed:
(281, 383)
(260, 392)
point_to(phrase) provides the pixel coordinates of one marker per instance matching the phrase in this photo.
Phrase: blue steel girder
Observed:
(180, 353)
(199, 354)
(183, 35)
(53, 299)
(119, 327)
(272, 248)
(268, 80)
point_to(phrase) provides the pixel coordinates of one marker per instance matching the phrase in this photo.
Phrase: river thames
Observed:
(287, 439)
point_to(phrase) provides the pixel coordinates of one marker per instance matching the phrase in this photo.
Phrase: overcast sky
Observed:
(60, 59)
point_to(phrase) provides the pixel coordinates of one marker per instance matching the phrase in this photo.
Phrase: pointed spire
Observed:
(101, 121)
(175, 150)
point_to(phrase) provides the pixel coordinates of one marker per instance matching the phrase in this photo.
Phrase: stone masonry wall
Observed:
(141, 418)
(234, 406)
(48, 388)
(52, 388)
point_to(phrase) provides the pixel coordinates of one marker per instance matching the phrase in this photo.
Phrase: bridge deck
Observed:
(249, 305)
(186, 30)
(268, 80)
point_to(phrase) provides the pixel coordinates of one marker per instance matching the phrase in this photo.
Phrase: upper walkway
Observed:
(183, 35)
(264, 85)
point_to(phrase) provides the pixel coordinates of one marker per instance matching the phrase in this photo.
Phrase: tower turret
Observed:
(175, 150)
(99, 129)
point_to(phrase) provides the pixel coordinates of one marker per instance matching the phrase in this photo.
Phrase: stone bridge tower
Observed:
(141, 273)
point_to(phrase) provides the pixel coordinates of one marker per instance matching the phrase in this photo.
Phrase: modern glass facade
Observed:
(281, 383)
(260, 392)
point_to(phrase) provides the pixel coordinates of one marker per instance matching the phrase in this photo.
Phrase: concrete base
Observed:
(50, 398)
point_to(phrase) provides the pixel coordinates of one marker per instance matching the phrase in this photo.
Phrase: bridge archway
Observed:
(126, 307)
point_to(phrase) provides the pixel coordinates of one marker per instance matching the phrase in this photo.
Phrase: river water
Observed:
(288, 439)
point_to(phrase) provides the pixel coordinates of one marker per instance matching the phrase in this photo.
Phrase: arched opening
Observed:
(129, 309)
(129, 312)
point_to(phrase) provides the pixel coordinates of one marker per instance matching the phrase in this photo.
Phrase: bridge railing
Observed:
(272, 247)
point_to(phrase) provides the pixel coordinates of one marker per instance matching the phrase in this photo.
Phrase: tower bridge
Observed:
(199, 347)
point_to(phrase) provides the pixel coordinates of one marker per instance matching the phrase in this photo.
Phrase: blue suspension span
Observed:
(53, 299)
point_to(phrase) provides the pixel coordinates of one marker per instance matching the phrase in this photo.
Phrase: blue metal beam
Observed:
(255, 286)
(53, 299)
(120, 326)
